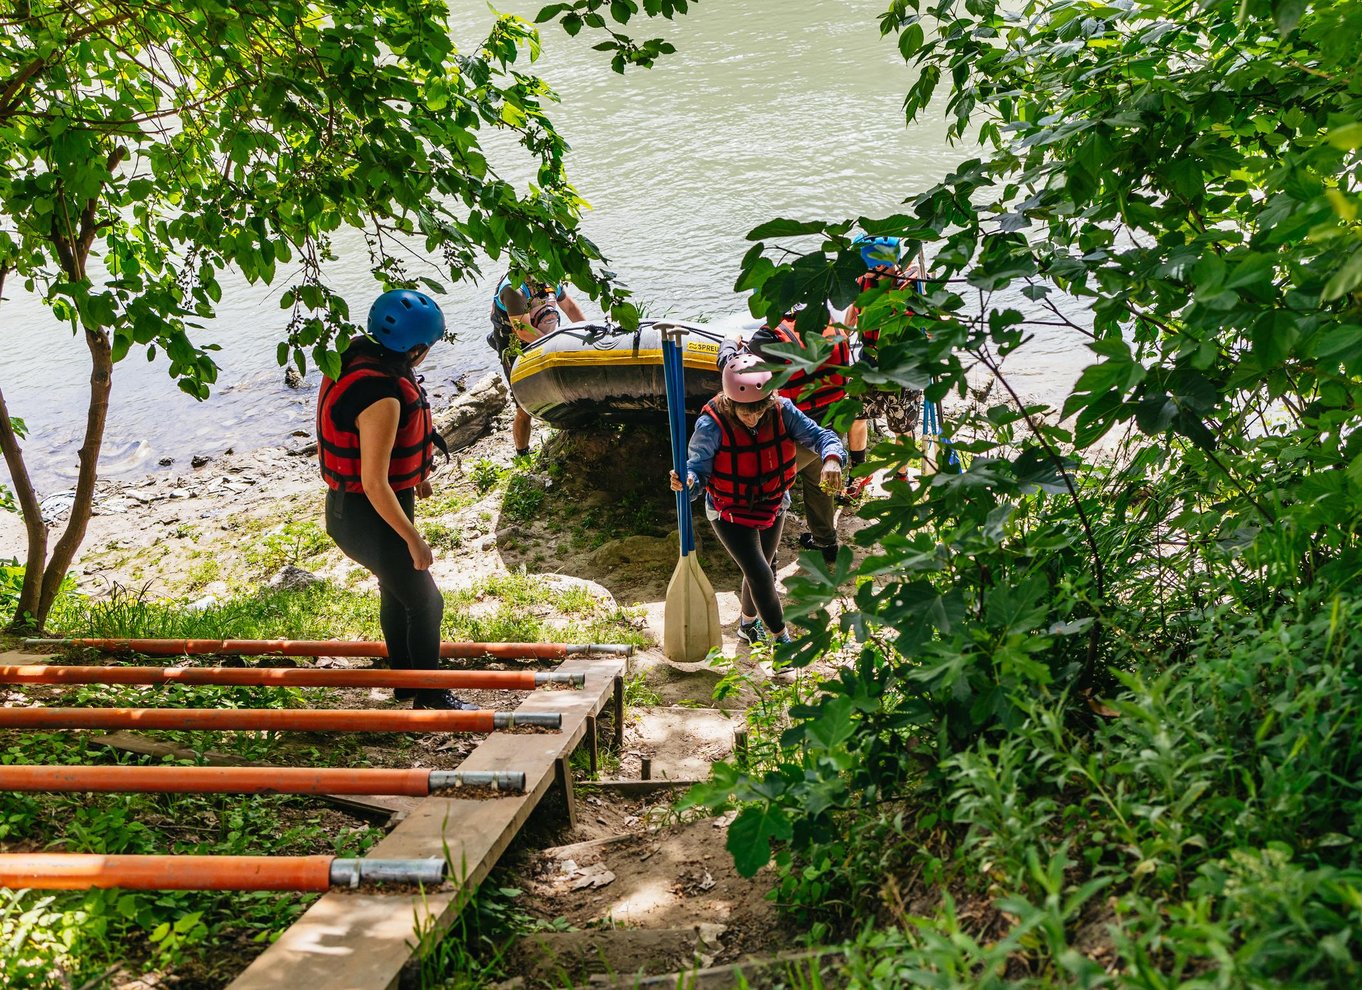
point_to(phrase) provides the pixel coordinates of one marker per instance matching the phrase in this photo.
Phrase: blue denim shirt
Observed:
(704, 444)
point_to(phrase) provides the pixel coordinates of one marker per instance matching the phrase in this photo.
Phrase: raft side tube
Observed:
(591, 372)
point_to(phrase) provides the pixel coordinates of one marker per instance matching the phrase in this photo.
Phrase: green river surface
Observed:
(769, 108)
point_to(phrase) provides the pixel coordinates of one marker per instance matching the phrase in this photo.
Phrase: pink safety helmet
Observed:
(744, 379)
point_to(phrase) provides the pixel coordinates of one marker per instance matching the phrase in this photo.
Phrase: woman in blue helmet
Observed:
(376, 446)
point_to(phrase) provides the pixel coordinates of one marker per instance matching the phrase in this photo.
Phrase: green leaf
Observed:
(910, 40)
(785, 228)
(751, 834)
(1345, 280)
(1287, 14)
(550, 12)
(1347, 137)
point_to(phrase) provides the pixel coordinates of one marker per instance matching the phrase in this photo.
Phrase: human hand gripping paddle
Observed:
(690, 626)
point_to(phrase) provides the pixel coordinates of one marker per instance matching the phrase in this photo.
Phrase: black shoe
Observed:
(446, 701)
(752, 632)
(404, 694)
(829, 551)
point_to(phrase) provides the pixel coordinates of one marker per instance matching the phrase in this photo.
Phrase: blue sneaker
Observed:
(752, 632)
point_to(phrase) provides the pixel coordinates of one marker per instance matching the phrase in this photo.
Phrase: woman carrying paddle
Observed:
(743, 454)
(376, 444)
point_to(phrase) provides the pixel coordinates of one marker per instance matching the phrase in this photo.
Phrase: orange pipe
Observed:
(73, 871)
(315, 648)
(508, 680)
(215, 780)
(266, 719)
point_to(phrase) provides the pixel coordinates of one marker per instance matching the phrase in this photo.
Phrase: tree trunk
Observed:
(30, 593)
(101, 383)
(29, 596)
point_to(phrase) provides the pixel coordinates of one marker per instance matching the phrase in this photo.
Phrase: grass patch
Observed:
(294, 543)
(524, 498)
(486, 475)
(442, 537)
(518, 607)
(321, 611)
(78, 938)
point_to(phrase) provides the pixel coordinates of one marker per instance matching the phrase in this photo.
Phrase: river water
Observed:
(769, 108)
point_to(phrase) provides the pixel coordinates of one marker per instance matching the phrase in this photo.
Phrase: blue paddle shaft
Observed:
(672, 376)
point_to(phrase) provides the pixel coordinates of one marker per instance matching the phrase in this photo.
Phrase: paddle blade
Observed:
(690, 625)
(716, 636)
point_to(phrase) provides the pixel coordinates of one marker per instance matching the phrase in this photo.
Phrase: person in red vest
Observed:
(743, 453)
(376, 443)
(901, 410)
(814, 394)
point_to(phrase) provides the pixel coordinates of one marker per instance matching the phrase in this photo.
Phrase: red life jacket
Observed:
(813, 393)
(413, 453)
(870, 336)
(751, 473)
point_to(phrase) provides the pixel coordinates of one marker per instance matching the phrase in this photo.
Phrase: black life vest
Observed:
(813, 393)
(413, 453)
(752, 471)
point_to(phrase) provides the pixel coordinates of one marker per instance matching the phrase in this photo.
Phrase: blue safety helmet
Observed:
(878, 252)
(401, 319)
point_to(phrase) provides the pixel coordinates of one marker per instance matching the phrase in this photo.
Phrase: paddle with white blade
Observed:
(690, 627)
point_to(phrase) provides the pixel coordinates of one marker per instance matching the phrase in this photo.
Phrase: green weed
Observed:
(486, 475)
(294, 543)
(524, 498)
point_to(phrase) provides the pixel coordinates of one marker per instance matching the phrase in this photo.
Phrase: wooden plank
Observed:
(639, 788)
(758, 973)
(562, 777)
(361, 941)
(20, 657)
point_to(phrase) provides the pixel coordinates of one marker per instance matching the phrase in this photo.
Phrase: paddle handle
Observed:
(674, 380)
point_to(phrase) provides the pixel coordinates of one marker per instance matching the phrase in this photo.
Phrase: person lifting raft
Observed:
(590, 372)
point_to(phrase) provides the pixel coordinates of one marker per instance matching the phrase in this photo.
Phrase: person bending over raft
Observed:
(743, 453)
(525, 314)
(376, 443)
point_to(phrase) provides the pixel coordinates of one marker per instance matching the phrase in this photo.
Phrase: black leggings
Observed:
(754, 551)
(410, 605)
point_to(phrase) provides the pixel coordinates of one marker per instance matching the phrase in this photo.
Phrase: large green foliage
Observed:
(180, 140)
(1176, 187)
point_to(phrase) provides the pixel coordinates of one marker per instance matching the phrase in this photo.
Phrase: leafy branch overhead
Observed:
(599, 15)
(178, 141)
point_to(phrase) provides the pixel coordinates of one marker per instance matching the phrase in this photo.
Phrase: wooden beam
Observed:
(758, 973)
(562, 776)
(361, 940)
(638, 788)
